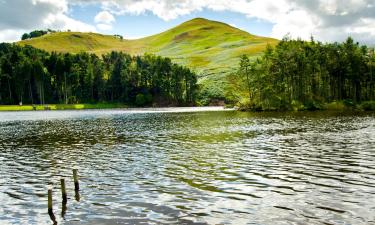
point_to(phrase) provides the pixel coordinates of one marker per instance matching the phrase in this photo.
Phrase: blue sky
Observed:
(145, 24)
(326, 20)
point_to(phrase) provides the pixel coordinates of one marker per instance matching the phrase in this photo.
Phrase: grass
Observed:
(61, 107)
(208, 47)
(218, 44)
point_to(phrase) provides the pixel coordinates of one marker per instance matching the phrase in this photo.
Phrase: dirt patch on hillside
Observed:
(76, 36)
(207, 28)
(181, 37)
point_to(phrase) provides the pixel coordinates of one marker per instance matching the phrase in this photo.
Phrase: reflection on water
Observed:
(188, 168)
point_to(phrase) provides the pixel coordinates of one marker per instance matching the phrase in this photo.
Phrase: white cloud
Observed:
(63, 22)
(327, 20)
(19, 16)
(297, 23)
(104, 20)
(10, 35)
(104, 17)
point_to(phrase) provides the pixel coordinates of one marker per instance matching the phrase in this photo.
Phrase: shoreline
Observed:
(123, 107)
(52, 107)
(80, 107)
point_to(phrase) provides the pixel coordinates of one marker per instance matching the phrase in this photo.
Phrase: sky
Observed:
(326, 20)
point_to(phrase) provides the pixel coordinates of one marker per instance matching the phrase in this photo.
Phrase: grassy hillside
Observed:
(210, 48)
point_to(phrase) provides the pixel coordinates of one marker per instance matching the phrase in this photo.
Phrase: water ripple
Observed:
(189, 168)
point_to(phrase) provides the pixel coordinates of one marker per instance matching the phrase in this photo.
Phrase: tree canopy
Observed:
(305, 74)
(33, 76)
(35, 33)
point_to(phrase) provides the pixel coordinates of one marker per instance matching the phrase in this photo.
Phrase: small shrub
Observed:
(368, 106)
(335, 106)
(244, 104)
(349, 103)
(140, 100)
(297, 106)
(313, 105)
(148, 98)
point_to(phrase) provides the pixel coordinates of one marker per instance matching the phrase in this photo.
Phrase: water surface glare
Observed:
(189, 167)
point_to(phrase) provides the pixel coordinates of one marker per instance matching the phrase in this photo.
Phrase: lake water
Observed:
(145, 167)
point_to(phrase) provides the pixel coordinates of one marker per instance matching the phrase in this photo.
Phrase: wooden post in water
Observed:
(50, 210)
(63, 191)
(75, 177)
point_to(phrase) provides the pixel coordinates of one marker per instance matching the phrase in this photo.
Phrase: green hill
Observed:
(210, 48)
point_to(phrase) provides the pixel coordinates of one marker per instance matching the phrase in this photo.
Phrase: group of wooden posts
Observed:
(63, 194)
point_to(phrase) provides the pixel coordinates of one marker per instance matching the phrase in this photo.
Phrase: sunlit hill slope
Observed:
(210, 48)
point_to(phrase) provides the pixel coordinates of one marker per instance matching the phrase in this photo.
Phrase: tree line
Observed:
(36, 33)
(32, 76)
(306, 75)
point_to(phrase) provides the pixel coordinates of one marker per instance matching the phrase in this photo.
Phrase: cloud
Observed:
(10, 35)
(63, 22)
(327, 20)
(19, 16)
(104, 20)
(104, 17)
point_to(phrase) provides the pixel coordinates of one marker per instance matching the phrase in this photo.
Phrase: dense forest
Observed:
(300, 74)
(33, 76)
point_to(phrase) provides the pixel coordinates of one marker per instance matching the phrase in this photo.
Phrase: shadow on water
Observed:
(63, 210)
(52, 217)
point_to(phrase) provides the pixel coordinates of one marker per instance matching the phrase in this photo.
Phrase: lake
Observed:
(181, 167)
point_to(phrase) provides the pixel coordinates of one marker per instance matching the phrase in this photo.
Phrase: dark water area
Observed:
(188, 167)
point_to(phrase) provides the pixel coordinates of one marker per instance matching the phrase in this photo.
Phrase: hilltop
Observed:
(210, 48)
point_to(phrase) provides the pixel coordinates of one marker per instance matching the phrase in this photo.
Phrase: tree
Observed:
(25, 36)
(245, 69)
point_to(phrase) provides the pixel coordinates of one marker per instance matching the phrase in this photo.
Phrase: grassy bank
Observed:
(297, 106)
(348, 105)
(61, 107)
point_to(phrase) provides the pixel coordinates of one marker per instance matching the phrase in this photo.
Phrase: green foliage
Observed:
(368, 106)
(25, 36)
(335, 106)
(35, 34)
(297, 106)
(32, 76)
(119, 36)
(301, 75)
(140, 100)
(209, 93)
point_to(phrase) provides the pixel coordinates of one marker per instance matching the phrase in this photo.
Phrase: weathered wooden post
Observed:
(50, 209)
(75, 177)
(63, 191)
